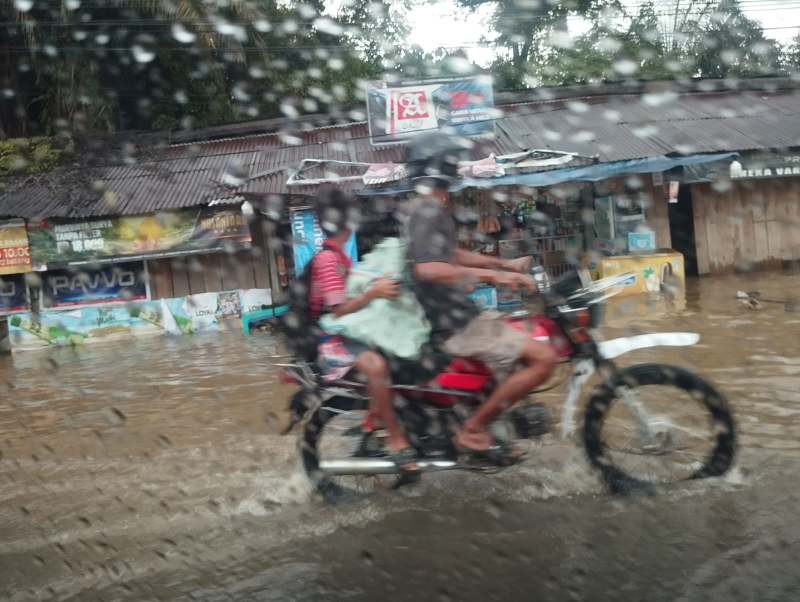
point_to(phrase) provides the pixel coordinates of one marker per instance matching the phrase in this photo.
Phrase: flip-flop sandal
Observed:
(499, 453)
(404, 457)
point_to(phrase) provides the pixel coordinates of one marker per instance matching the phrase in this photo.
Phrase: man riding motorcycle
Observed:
(442, 273)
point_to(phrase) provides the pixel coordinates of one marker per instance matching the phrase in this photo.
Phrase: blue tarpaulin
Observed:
(588, 173)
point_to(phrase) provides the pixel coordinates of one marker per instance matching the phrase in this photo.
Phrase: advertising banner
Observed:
(72, 328)
(57, 243)
(253, 299)
(307, 237)
(15, 254)
(400, 110)
(13, 293)
(203, 311)
(85, 286)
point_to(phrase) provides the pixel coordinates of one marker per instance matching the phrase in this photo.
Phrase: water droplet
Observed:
(262, 25)
(72, 4)
(626, 67)
(227, 28)
(18, 164)
(142, 54)
(329, 26)
(561, 39)
(180, 97)
(183, 35)
(164, 442)
(367, 558)
(23, 6)
(289, 110)
(102, 38)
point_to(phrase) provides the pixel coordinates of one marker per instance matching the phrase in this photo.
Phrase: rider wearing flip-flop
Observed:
(443, 272)
(330, 266)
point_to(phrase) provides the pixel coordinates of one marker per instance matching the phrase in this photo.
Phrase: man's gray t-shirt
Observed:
(432, 234)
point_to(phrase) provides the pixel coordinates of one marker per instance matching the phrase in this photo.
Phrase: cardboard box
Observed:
(648, 270)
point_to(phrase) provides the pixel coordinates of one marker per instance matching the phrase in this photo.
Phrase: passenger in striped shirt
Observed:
(329, 270)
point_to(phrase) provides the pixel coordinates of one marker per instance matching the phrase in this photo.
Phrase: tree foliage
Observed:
(693, 38)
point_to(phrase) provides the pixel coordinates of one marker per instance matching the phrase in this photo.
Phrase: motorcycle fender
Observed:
(584, 369)
(616, 347)
(581, 372)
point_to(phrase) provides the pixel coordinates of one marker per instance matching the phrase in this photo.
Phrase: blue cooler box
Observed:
(485, 296)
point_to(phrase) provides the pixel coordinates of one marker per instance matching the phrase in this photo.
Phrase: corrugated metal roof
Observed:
(613, 127)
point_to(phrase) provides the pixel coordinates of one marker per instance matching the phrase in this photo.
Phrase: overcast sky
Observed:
(441, 25)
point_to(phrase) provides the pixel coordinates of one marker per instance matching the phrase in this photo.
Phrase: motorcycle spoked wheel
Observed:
(334, 431)
(683, 449)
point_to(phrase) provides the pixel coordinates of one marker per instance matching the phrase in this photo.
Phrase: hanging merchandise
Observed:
(487, 210)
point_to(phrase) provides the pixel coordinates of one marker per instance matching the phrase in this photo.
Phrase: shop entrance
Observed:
(681, 229)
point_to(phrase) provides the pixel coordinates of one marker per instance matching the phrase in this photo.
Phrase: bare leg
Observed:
(374, 366)
(539, 359)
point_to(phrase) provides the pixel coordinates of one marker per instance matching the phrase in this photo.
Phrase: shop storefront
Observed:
(741, 214)
(112, 278)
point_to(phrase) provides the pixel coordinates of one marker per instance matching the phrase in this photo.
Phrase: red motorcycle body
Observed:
(467, 375)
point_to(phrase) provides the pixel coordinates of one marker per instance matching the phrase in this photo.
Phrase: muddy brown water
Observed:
(154, 471)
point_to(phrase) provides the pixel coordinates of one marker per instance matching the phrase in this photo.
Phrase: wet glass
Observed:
(453, 299)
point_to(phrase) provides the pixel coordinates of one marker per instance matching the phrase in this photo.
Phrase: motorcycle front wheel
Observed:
(658, 424)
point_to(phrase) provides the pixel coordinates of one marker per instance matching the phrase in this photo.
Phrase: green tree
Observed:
(521, 27)
(731, 44)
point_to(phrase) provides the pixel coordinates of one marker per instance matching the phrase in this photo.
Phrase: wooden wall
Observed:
(213, 272)
(656, 211)
(755, 224)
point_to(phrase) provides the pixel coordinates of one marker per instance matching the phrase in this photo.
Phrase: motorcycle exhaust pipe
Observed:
(376, 466)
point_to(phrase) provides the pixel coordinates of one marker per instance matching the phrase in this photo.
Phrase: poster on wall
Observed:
(70, 328)
(58, 243)
(253, 299)
(203, 311)
(15, 254)
(109, 283)
(398, 111)
(230, 304)
(307, 237)
(13, 293)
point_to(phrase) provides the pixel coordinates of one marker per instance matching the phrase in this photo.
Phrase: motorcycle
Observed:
(342, 447)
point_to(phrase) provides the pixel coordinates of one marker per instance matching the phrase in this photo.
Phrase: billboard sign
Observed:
(57, 243)
(398, 111)
(105, 284)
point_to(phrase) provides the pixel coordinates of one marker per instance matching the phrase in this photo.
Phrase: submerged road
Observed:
(154, 471)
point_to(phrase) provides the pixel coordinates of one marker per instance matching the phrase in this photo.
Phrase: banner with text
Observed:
(15, 256)
(307, 238)
(55, 243)
(125, 281)
(401, 110)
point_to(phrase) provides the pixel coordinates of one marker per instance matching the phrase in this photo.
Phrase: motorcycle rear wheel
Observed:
(333, 431)
(621, 470)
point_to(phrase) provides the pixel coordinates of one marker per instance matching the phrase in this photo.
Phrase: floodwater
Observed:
(155, 471)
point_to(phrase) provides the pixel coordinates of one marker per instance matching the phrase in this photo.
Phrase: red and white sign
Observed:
(411, 110)
(381, 173)
(483, 168)
(412, 105)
